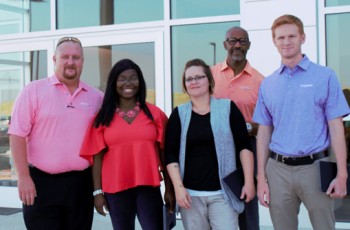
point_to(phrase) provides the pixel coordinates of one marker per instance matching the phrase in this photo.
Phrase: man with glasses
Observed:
(237, 80)
(48, 123)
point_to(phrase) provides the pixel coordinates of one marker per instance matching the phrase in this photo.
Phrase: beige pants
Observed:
(209, 212)
(291, 185)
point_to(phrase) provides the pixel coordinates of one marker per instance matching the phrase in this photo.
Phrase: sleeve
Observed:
(239, 131)
(261, 114)
(23, 113)
(93, 142)
(160, 122)
(336, 105)
(172, 138)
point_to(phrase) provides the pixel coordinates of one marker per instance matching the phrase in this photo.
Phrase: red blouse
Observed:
(132, 157)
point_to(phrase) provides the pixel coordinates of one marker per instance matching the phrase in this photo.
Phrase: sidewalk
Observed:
(15, 222)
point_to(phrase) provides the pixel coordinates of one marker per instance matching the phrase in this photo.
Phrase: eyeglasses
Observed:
(233, 41)
(133, 80)
(66, 39)
(196, 78)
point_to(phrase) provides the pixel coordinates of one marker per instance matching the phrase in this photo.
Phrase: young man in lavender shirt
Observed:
(299, 112)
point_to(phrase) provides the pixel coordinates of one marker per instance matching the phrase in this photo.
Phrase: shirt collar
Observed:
(247, 69)
(303, 64)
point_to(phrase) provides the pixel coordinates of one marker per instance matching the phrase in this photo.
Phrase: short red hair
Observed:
(287, 19)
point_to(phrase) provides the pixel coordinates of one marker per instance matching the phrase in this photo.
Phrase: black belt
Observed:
(305, 160)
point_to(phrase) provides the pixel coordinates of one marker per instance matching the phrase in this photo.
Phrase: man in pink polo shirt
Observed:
(237, 80)
(48, 124)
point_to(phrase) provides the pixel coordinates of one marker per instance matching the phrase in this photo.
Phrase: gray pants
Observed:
(209, 212)
(291, 185)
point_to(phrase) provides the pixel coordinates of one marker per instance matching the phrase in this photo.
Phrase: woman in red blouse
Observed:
(125, 146)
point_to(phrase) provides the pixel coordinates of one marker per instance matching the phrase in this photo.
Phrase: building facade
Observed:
(160, 36)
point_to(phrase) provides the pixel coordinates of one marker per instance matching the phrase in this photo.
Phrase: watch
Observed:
(249, 127)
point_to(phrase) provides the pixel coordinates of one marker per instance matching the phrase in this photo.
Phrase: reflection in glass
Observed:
(204, 41)
(337, 2)
(99, 61)
(203, 8)
(338, 46)
(15, 70)
(338, 56)
(342, 209)
(24, 16)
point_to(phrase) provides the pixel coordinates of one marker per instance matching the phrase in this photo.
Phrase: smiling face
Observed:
(196, 84)
(288, 41)
(236, 44)
(127, 85)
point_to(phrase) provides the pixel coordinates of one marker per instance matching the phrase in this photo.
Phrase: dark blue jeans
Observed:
(145, 202)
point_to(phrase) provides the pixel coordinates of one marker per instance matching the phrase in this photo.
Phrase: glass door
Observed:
(145, 49)
(24, 62)
(19, 64)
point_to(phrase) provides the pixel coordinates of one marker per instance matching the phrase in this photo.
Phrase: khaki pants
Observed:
(291, 185)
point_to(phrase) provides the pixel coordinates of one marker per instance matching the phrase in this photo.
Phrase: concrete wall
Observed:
(257, 19)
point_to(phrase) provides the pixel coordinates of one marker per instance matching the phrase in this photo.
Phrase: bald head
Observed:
(235, 30)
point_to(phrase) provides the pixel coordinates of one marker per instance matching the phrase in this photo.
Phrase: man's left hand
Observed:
(337, 188)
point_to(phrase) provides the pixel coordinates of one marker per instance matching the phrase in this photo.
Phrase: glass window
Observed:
(138, 11)
(24, 16)
(338, 46)
(337, 2)
(40, 15)
(95, 13)
(204, 41)
(341, 210)
(106, 56)
(203, 8)
(338, 56)
(71, 15)
(15, 70)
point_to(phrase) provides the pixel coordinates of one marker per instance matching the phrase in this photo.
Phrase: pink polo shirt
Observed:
(54, 123)
(242, 89)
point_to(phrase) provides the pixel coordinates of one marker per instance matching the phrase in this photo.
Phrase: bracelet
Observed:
(97, 192)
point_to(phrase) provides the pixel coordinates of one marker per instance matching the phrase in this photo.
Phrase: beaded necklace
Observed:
(131, 113)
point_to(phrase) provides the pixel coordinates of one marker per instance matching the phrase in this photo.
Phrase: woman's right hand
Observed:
(183, 199)
(100, 203)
